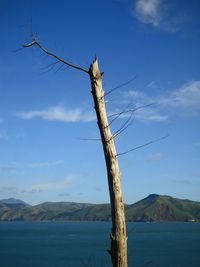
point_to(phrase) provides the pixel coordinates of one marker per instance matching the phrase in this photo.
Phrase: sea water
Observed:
(85, 244)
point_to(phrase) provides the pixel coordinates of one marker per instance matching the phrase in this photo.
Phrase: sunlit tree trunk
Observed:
(118, 250)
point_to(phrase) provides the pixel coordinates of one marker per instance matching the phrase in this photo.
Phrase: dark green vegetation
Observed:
(152, 208)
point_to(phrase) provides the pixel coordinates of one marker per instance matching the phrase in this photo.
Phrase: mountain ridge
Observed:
(12, 200)
(153, 208)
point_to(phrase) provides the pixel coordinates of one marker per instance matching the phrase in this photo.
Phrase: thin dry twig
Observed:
(146, 144)
(49, 67)
(130, 110)
(117, 115)
(127, 123)
(119, 86)
(124, 111)
(60, 67)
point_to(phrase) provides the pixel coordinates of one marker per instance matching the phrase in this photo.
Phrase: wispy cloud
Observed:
(158, 13)
(49, 186)
(149, 11)
(59, 113)
(149, 114)
(152, 84)
(52, 185)
(135, 94)
(39, 165)
(185, 98)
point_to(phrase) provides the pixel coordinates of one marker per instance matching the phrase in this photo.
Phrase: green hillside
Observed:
(163, 208)
(152, 208)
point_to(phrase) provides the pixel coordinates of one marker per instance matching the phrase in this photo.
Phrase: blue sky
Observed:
(44, 113)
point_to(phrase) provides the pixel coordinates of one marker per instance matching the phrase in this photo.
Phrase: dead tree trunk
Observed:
(118, 250)
(118, 236)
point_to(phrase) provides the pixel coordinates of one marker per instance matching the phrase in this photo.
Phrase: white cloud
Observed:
(161, 14)
(185, 98)
(146, 113)
(59, 113)
(150, 114)
(135, 94)
(149, 11)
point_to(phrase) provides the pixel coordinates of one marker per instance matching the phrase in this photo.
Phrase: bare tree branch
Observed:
(146, 144)
(35, 42)
(60, 67)
(124, 111)
(117, 115)
(119, 86)
(50, 66)
(123, 129)
(127, 123)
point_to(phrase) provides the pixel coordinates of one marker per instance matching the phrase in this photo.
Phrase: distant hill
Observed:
(154, 208)
(14, 203)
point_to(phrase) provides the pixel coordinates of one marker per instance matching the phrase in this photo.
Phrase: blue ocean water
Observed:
(84, 244)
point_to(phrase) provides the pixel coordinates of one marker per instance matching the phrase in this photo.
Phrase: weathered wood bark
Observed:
(118, 236)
